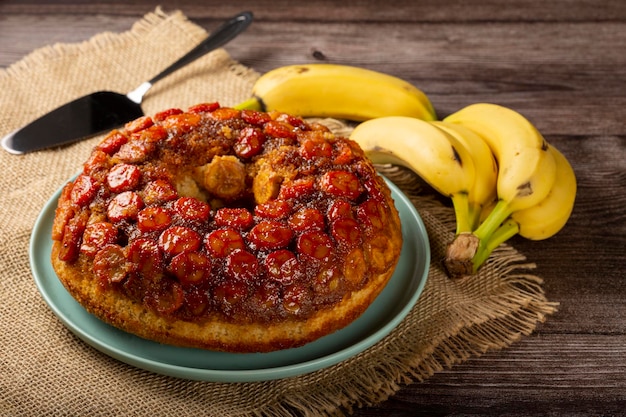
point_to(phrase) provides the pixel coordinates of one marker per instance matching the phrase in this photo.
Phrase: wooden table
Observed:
(561, 63)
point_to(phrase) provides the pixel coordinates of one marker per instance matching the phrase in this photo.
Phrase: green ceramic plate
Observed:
(391, 306)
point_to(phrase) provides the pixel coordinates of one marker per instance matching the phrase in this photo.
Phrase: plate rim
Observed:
(234, 375)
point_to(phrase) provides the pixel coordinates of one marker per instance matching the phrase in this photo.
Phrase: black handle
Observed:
(217, 38)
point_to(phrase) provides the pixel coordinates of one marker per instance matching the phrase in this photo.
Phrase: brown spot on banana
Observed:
(525, 189)
(378, 148)
(456, 156)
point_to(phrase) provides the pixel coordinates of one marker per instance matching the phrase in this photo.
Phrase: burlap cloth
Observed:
(46, 370)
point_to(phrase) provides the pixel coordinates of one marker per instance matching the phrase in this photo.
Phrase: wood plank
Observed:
(450, 11)
(544, 374)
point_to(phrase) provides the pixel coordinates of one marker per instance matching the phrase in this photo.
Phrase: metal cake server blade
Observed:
(105, 110)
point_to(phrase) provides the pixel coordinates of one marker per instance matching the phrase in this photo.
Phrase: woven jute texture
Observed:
(46, 370)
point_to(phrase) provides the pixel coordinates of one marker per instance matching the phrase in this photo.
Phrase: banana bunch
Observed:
(337, 91)
(501, 174)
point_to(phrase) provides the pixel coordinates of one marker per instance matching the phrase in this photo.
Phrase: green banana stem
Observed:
(462, 213)
(469, 250)
(474, 212)
(507, 230)
(498, 215)
(250, 104)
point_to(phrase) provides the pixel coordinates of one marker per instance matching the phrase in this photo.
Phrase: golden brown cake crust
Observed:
(228, 230)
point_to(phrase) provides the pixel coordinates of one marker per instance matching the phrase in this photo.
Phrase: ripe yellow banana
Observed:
(526, 168)
(548, 217)
(338, 91)
(543, 220)
(483, 192)
(436, 156)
